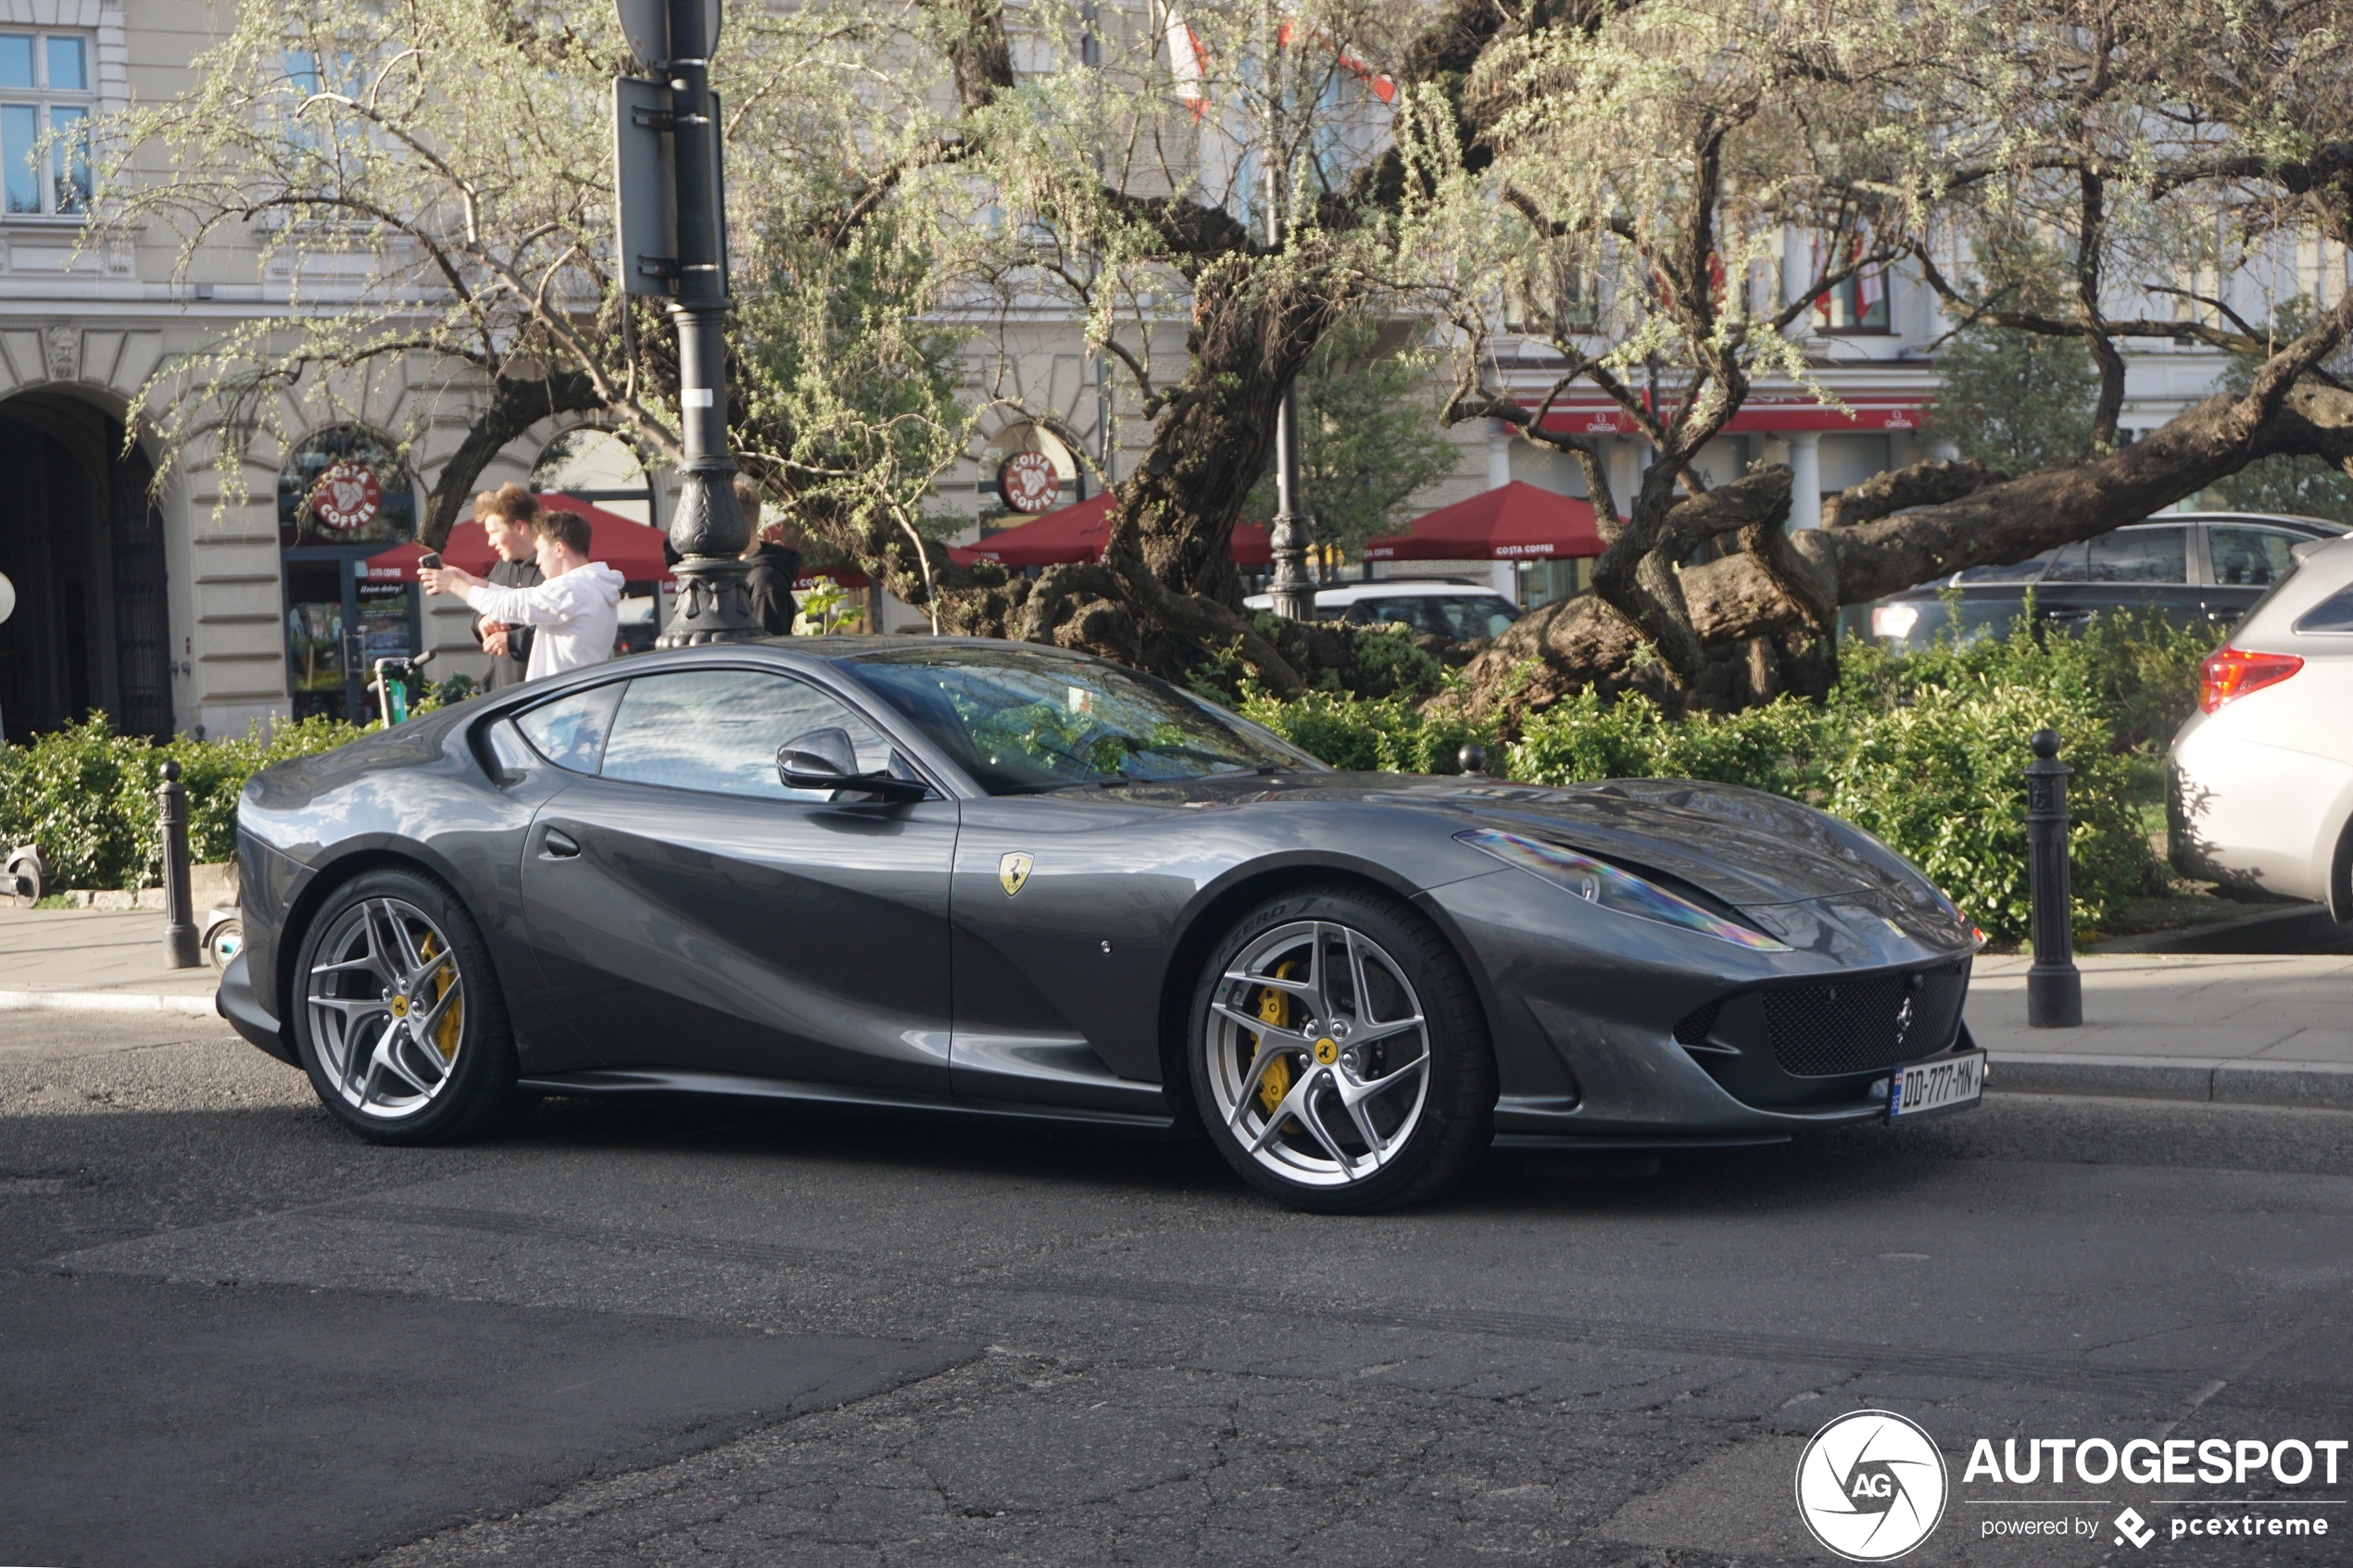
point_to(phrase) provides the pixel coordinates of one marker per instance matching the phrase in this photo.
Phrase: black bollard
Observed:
(2054, 987)
(179, 925)
(1474, 761)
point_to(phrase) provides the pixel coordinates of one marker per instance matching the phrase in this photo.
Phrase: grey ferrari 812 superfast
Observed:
(993, 879)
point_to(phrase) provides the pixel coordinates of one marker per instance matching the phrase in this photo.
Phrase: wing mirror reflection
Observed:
(824, 760)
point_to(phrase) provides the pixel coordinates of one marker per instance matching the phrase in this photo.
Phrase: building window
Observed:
(1858, 304)
(45, 95)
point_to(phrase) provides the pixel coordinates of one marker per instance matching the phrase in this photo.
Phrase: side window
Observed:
(1392, 611)
(2142, 555)
(719, 730)
(2068, 565)
(570, 731)
(2333, 616)
(1466, 618)
(2249, 558)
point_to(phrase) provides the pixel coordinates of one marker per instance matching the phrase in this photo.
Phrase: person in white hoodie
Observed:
(574, 611)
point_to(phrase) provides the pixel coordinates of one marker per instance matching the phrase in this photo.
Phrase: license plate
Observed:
(1944, 1085)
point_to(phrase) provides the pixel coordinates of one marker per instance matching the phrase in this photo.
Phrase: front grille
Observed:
(1862, 1025)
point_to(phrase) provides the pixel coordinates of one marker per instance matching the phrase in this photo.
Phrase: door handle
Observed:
(559, 846)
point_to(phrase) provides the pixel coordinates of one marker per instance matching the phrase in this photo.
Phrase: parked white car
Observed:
(2262, 774)
(1447, 605)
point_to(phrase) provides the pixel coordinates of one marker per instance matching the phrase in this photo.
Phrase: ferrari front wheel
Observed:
(1339, 1055)
(397, 1017)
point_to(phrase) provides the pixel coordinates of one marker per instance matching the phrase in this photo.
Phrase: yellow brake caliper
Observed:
(1274, 1007)
(453, 1022)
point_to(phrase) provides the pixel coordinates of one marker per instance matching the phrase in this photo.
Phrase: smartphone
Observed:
(429, 561)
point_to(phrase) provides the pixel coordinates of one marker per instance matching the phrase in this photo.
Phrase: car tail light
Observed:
(2230, 673)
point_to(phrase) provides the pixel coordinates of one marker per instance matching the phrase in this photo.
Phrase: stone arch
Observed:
(86, 544)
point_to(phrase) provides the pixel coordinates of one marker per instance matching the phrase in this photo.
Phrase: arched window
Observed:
(1023, 471)
(347, 485)
(596, 465)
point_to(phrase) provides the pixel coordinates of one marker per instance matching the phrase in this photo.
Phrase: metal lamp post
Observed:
(1292, 591)
(673, 241)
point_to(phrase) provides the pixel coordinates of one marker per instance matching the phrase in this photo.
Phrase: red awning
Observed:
(631, 548)
(1514, 522)
(1076, 533)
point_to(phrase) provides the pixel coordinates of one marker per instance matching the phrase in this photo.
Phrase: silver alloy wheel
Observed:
(1318, 1053)
(387, 1008)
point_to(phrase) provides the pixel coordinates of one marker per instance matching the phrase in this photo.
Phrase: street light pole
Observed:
(1292, 593)
(708, 530)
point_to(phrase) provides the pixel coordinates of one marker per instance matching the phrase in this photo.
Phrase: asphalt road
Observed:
(230, 1333)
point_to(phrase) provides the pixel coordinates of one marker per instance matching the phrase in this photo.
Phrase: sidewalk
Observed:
(2255, 1029)
(2259, 1029)
(97, 960)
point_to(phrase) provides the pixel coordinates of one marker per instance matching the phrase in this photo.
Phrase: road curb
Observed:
(106, 1002)
(2199, 1080)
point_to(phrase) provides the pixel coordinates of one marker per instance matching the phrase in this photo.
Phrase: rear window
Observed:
(2250, 558)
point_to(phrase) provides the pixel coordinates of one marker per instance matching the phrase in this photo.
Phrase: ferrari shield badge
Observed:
(1014, 872)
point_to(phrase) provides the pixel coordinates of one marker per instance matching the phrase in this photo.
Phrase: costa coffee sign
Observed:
(346, 498)
(1029, 482)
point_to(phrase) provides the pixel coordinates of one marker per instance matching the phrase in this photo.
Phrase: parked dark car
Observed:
(2199, 568)
(1009, 883)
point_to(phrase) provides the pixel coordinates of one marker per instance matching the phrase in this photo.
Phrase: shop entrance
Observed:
(82, 541)
(344, 495)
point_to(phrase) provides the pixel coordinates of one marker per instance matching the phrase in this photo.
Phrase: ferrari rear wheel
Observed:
(397, 1016)
(1338, 1056)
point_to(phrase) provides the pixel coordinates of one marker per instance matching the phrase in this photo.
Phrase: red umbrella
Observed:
(630, 548)
(1077, 533)
(1514, 521)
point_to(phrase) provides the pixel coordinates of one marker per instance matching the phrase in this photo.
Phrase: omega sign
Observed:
(346, 498)
(1029, 482)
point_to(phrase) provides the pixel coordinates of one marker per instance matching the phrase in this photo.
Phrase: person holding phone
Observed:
(574, 610)
(505, 515)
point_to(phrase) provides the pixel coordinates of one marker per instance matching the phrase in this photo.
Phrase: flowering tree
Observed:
(1642, 161)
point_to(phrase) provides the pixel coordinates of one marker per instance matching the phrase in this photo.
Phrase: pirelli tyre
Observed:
(397, 1015)
(1338, 1053)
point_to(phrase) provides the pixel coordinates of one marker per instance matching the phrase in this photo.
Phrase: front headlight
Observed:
(1600, 883)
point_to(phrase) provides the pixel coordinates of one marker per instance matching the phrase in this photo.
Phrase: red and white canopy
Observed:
(1514, 521)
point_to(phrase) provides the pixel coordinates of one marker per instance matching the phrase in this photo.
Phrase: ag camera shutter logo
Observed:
(1871, 1486)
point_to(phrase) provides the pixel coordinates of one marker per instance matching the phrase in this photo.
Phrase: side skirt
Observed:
(648, 1082)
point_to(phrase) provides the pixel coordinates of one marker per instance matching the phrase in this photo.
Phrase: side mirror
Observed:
(798, 769)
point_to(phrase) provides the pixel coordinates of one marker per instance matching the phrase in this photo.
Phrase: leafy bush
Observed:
(1369, 735)
(87, 796)
(1927, 751)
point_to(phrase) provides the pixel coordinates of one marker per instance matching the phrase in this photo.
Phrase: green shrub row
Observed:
(1927, 751)
(87, 796)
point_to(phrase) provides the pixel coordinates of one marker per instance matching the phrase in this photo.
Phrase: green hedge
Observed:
(1927, 751)
(87, 796)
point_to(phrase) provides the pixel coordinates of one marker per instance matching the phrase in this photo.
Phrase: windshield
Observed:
(1019, 721)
